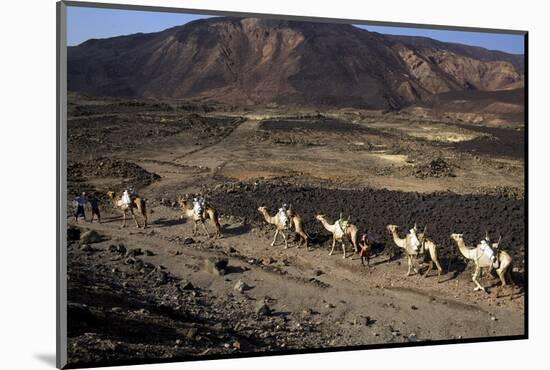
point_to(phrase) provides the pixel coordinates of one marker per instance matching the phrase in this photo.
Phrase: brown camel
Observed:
(281, 224)
(338, 234)
(429, 245)
(136, 202)
(208, 213)
(482, 260)
(298, 223)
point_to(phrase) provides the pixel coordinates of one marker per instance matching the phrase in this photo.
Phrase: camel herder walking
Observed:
(94, 204)
(80, 202)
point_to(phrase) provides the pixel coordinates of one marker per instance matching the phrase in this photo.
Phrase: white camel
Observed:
(482, 259)
(415, 245)
(338, 233)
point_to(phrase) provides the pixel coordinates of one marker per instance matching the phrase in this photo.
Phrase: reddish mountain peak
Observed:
(252, 60)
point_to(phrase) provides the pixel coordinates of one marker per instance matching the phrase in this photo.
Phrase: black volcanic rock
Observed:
(251, 61)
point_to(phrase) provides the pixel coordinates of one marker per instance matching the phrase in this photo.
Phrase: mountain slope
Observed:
(250, 61)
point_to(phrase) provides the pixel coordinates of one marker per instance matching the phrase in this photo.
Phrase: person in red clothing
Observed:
(365, 250)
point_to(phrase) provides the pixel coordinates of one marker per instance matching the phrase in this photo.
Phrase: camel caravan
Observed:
(486, 256)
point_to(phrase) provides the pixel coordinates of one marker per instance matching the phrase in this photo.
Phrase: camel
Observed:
(429, 245)
(338, 234)
(279, 222)
(298, 223)
(482, 261)
(209, 213)
(137, 202)
(411, 252)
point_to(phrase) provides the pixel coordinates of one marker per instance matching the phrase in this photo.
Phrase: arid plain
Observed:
(162, 292)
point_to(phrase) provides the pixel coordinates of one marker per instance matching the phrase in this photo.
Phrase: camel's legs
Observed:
(284, 237)
(124, 218)
(218, 233)
(409, 260)
(474, 279)
(502, 277)
(275, 237)
(353, 241)
(343, 248)
(367, 257)
(134, 217)
(439, 268)
(216, 223)
(195, 228)
(205, 228)
(508, 275)
(299, 241)
(304, 235)
(304, 239)
(333, 244)
(430, 266)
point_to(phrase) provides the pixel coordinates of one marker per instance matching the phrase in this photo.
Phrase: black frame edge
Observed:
(61, 170)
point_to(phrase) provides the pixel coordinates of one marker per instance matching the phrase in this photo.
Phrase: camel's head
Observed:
(262, 209)
(392, 228)
(457, 237)
(320, 217)
(182, 200)
(111, 194)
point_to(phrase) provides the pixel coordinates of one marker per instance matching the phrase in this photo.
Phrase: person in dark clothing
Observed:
(80, 202)
(94, 204)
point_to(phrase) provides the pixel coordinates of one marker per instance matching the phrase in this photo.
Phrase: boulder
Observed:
(89, 237)
(185, 285)
(73, 233)
(241, 286)
(215, 265)
(87, 248)
(263, 309)
(121, 249)
(134, 252)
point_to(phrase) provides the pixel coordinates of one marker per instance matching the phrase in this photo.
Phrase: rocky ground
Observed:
(162, 293)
